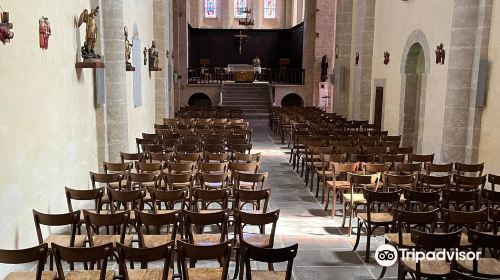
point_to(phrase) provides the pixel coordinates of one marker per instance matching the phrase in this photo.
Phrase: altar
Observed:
(243, 73)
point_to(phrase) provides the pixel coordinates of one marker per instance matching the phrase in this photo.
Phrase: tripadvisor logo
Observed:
(387, 255)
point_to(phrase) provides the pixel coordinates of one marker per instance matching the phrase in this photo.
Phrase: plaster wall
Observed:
(396, 34)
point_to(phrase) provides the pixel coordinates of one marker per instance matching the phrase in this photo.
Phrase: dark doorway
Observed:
(199, 100)
(292, 100)
(379, 103)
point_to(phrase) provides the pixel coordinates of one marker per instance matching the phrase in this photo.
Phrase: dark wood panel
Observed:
(222, 48)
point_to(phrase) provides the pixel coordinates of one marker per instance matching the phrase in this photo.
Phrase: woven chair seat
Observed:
(206, 239)
(30, 275)
(64, 240)
(428, 267)
(205, 273)
(105, 239)
(268, 275)
(257, 240)
(88, 275)
(382, 218)
(485, 266)
(145, 274)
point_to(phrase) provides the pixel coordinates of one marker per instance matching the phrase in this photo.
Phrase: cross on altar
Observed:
(241, 36)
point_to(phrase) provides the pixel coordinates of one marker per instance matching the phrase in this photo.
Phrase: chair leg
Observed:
(317, 186)
(270, 266)
(327, 199)
(344, 213)
(237, 264)
(312, 170)
(351, 212)
(307, 175)
(382, 273)
(358, 236)
(368, 236)
(302, 168)
(334, 202)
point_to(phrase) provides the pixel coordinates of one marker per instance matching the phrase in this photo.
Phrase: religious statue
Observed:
(256, 61)
(154, 61)
(324, 68)
(145, 52)
(440, 54)
(357, 58)
(5, 34)
(387, 56)
(44, 32)
(128, 47)
(90, 33)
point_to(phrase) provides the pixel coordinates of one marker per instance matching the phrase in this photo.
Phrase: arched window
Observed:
(210, 8)
(270, 9)
(239, 7)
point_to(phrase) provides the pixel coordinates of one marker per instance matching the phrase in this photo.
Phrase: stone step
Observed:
(246, 102)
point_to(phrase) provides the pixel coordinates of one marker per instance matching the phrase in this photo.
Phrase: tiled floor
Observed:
(325, 250)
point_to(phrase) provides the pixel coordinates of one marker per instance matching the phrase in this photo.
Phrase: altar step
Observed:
(253, 99)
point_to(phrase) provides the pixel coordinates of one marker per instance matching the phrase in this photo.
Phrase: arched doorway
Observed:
(199, 100)
(414, 82)
(292, 100)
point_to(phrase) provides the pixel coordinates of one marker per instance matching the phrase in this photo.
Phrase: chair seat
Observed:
(257, 240)
(30, 275)
(165, 211)
(379, 218)
(64, 240)
(151, 241)
(485, 266)
(207, 211)
(88, 275)
(206, 239)
(392, 238)
(205, 273)
(105, 239)
(327, 174)
(338, 184)
(356, 198)
(268, 275)
(148, 274)
(250, 211)
(428, 267)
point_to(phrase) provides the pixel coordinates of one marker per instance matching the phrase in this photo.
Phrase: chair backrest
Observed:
(469, 169)
(202, 199)
(421, 201)
(493, 180)
(145, 255)
(412, 158)
(469, 182)
(66, 219)
(408, 168)
(85, 195)
(431, 182)
(139, 179)
(268, 255)
(220, 251)
(398, 182)
(149, 167)
(99, 254)
(128, 157)
(443, 169)
(210, 167)
(406, 220)
(213, 180)
(181, 167)
(461, 199)
(168, 198)
(258, 180)
(360, 182)
(200, 220)
(244, 166)
(386, 202)
(216, 157)
(371, 168)
(156, 222)
(117, 167)
(126, 199)
(20, 256)
(161, 157)
(179, 181)
(454, 220)
(432, 241)
(106, 179)
(94, 221)
(255, 198)
(247, 157)
(253, 219)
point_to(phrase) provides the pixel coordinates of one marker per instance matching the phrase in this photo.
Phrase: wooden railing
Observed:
(217, 75)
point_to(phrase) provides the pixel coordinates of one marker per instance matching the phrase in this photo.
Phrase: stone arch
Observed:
(415, 66)
(292, 100)
(199, 99)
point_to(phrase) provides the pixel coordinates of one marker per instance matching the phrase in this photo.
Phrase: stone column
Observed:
(361, 92)
(256, 13)
(160, 34)
(309, 53)
(114, 76)
(180, 47)
(469, 43)
(343, 39)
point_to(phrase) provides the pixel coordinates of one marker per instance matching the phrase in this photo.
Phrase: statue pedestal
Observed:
(130, 68)
(325, 99)
(155, 69)
(90, 64)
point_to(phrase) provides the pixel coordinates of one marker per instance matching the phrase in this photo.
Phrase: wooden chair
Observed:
(181, 167)
(458, 200)
(313, 161)
(150, 225)
(249, 181)
(214, 167)
(107, 181)
(117, 221)
(216, 157)
(127, 200)
(145, 255)
(483, 266)
(375, 217)
(239, 148)
(326, 171)
(178, 181)
(355, 196)
(258, 199)
(429, 182)
(213, 180)
(456, 220)
(408, 168)
(197, 236)
(240, 157)
(468, 182)
(414, 158)
(202, 199)
(338, 184)
(143, 180)
(120, 168)
(493, 180)
(51, 220)
(21, 256)
(426, 242)
(194, 157)
(214, 148)
(92, 195)
(96, 254)
(268, 255)
(219, 251)
(161, 157)
(131, 157)
(438, 169)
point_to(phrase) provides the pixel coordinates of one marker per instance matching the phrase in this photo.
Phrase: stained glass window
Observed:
(269, 8)
(210, 8)
(239, 7)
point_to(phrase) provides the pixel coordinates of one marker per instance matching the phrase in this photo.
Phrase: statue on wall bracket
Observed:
(387, 56)
(5, 27)
(88, 52)
(440, 54)
(44, 31)
(128, 49)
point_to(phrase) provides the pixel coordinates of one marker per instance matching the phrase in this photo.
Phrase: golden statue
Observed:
(128, 47)
(90, 33)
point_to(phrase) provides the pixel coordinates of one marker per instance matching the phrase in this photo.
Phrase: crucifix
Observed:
(241, 36)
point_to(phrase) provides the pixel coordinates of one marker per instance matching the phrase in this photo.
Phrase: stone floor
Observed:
(325, 249)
